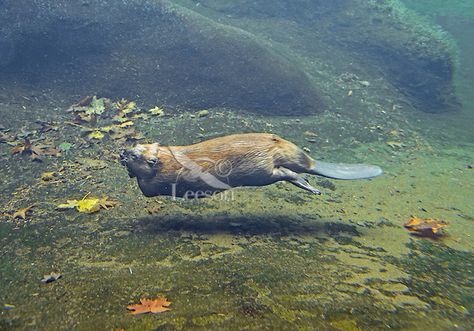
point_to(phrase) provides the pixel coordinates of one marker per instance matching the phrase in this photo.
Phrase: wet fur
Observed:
(256, 159)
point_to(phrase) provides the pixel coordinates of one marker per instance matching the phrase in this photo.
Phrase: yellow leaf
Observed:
(125, 124)
(89, 205)
(96, 135)
(129, 107)
(157, 111)
(107, 128)
(138, 116)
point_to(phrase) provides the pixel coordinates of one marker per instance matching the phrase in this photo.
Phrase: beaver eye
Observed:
(151, 162)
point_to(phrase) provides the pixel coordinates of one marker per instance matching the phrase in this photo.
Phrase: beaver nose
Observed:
(124, 157)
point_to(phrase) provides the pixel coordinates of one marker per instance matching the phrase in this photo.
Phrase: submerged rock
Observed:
(277, 57)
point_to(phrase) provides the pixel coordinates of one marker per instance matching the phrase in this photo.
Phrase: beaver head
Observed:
(141, 161)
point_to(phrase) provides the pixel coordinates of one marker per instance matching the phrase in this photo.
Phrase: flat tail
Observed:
(346, 171)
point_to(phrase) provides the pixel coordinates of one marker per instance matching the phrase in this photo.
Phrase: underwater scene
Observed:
(236, 165)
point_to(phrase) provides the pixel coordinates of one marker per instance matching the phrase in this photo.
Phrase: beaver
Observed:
(216, 165)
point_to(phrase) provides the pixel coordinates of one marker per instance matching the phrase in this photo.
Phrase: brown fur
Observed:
(214, 165)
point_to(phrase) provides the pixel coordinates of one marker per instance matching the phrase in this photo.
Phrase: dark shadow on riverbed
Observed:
(279, 225)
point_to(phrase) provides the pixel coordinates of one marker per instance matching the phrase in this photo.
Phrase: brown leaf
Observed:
(154, 306)
(106, 203)
(24, 148)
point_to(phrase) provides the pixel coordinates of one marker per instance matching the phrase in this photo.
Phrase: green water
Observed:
(270, 258)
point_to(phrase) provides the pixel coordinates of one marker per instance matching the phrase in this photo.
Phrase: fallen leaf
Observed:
(108, 128)
(22, 213)
(97, 134)
(35, 152)
(23, 148)
(125, 124)
(425, 227)
(96, 106)
(69, 205)
(157, 111)
(120, 118)
(125, 106)
(106, 203)
(88, 205)
(154, 306)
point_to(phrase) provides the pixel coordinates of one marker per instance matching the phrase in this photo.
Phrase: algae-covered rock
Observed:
(275, 57)
(152, 49)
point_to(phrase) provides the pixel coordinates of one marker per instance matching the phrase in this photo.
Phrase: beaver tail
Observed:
(345, 171)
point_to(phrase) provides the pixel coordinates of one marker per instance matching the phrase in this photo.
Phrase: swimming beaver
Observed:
(215, 165)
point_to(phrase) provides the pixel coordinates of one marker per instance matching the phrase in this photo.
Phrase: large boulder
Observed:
(278, 57)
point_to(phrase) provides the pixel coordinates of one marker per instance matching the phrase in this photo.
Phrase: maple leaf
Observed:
(27, 149)
(154, 306)
(88, 205)
(425, 227)
(35, 152)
